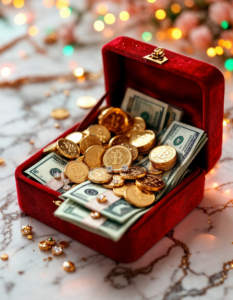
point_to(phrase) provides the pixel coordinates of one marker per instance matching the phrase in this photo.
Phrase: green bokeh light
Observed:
(224, 24)
(68, 50)
(101, 18)
(146, 36)
(229, 64)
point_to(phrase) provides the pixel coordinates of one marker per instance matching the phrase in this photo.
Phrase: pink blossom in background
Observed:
(186, 22)
(66, 33)
(220, 11)
(201, 37)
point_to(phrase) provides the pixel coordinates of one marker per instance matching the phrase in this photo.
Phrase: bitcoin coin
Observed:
(50, 148)
(116, 181)
(163, 155)
(150, 183)
(99, 175)
(119, 191)
(93, 156)
(85, 132)
(60, 113)
(134, 173)
(101, 132)
(153, 171)
(130, 134)
(86, 102)
(76, 171)
(89, 141)
(137, 197)
(118, 140)
(132, 149)
(68, 148)
(115, 119)
(75, 137)
(117, 156)
(80, 158)
(143, 139)
(137, 124)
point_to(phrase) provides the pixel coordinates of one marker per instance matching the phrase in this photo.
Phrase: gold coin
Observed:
(153, 171)
(85, 132)
(130, 134)
(137, 124)
(44, 245)
(63, 244)
(137, 197)
(116, 157)
(143, 139)
(76, 171)
(80, 158)
(134, 173)
(75, 137)
(116, 181)
(132, 149)
(119, 191)
(4, 257)
(101, 132)
(86, 102)
(93, 156)
(50, 148)
(99, 175)
(118, 140)
(150, 183)
(68, 148)
(60, 113)
(163, 154)
(68, 266)
(88, 141)
(29, 237)
(115, 119)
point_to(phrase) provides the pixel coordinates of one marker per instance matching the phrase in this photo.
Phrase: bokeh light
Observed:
(5, 71)
(33, 30)
(160, 35)
(99, 25)
(78, 72)
(175, 8)
(68, 50)
(6, 2)
(227, 44)
(48, 3)
(160, 14)
(151, 1)
(72, 64)
(108, 32)
(227, 75)
(62, 3)
(146, 36)
(215, 184)
(18, 3)
(176, 33)
(102, 9)
(109, 18)
(229, 64)
(221, 42)
(219, 50)
(124, 15)
(65, 12)
(189, 3)
(224, 24)
(211, 52)
(20, 19)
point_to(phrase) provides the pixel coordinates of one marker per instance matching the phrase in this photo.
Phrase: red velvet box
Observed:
(194, 86)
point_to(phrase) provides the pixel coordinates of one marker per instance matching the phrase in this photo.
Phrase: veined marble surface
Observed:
(194, 260)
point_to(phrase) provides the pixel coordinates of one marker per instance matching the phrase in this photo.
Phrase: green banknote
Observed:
(150, 109)
(74, 213)
(173, 114)
(44, 170)
(120, 211)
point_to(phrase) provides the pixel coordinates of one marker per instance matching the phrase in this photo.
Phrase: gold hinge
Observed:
(157, 56)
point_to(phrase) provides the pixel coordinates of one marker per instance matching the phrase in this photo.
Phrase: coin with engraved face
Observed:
(143, 139)
(119, 191)
(76, 171)
(134, 173)
(116, 181)
(68, 148)
(163, 155)
(101, 132)
(75, 137)
(93, 156)
(99, 175)
(150, 183)
(132, 149)
(137, 197)
(118, 140)
(89, 141)
(117, 157)
(115, 119)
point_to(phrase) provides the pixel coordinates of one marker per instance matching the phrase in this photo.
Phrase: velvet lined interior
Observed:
(194, 86)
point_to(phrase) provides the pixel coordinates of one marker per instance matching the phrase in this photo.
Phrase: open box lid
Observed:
(194, 86)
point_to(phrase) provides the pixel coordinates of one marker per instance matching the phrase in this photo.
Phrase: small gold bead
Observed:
(83, 259)
(66, 93)
(47, 94)
(4, 257)
(30, 237)
(2, 160)
(68, 266)
(56, 125)
(32, 142)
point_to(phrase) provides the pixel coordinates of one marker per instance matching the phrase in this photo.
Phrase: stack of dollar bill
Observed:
(187, 140)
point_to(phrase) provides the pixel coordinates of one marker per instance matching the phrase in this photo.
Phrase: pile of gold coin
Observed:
(103, 153)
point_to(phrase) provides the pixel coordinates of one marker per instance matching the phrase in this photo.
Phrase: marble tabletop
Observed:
(195, 259)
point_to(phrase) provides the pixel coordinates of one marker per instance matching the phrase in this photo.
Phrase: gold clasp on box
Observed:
(157, 56)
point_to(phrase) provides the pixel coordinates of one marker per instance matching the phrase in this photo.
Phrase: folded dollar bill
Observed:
(173, 114)
(44, 170)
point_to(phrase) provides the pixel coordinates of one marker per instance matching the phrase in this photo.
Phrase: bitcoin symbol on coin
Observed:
(118, 157)
(115, 121)
(78, 172)
(163, 154)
